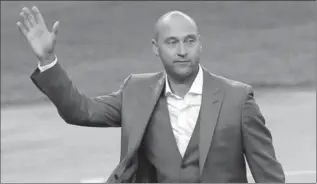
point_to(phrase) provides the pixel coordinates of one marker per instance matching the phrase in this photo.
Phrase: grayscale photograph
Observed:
(158, 92)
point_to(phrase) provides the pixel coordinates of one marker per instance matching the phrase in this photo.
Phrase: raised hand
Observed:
(35, 31)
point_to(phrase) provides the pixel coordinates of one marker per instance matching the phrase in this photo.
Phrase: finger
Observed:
(22, 29)
(38, 15)
(55, 28)
(30, 17)
(25, 20)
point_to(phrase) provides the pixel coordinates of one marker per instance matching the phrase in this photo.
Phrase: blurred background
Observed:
(269, 45)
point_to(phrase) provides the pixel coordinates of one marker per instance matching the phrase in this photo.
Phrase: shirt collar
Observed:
(196, 88)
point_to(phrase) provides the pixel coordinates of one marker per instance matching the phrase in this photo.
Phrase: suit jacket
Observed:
(232, 127)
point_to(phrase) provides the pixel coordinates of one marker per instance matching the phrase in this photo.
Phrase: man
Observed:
(181, 125)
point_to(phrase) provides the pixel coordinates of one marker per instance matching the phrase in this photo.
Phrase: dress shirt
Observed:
(184, 112)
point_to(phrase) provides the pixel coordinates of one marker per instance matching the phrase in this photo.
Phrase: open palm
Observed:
(35, 31)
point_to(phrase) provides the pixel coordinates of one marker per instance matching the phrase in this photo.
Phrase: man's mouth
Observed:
(181, 61)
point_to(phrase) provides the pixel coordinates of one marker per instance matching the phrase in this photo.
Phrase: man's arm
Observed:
(76, 108)
(257, 142)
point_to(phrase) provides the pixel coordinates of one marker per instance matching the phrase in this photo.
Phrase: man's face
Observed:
(178, 46)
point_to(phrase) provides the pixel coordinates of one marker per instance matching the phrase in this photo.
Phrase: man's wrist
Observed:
(43, 68)
(46, 60)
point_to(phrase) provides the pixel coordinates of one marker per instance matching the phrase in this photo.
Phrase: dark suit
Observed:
(231, 125)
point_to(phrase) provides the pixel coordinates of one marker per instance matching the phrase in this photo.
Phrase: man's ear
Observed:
(154, 47)
(201, 45)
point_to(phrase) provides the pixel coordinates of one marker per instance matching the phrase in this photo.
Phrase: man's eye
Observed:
(191, 41)
(172, 42)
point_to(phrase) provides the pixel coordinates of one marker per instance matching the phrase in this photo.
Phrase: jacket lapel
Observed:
(210, 106)
(143, 105)
(146, 103)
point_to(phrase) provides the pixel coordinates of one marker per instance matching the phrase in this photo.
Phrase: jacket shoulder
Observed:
(230, 83)
(140, 80)
(236, 92)
(144, 78)
(233, 86)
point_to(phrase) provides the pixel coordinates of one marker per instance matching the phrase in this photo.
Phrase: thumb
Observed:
(55, 28)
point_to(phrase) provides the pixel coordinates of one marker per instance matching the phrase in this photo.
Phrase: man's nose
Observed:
(182, 51)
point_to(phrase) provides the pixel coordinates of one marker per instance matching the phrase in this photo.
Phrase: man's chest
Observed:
(183, 112)
(183, 115)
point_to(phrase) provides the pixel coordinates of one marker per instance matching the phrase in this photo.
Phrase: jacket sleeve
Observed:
(76, 108)
(257, 143)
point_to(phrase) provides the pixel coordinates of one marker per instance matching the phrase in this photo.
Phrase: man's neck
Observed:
(180, 87)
